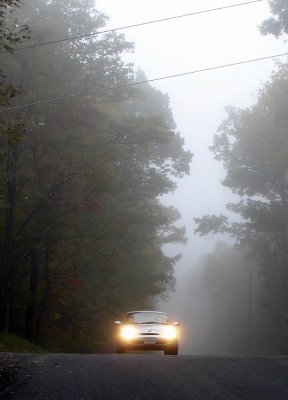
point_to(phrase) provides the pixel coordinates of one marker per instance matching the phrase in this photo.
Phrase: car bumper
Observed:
(147, 343)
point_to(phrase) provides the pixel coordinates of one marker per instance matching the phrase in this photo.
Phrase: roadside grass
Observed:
(15, 344)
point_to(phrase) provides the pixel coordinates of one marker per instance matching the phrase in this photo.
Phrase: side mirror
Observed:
(117, 322)
(176, 323)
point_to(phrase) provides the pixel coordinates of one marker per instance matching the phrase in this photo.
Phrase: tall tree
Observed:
(11, 33)
(253, 146)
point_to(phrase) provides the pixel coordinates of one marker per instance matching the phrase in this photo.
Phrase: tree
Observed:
(253, 146)
(46, 170)
(11, 33)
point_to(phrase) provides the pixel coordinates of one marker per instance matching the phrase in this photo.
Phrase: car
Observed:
(147, 330)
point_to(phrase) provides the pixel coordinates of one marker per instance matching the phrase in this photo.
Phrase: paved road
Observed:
(146, 377)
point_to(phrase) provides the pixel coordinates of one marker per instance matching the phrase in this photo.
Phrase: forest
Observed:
(82, 224)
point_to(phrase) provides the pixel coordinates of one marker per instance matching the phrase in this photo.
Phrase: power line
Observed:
(39, 102)
(136, 25)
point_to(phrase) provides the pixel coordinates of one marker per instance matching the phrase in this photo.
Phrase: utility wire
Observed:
(136, 25)
(141, 82)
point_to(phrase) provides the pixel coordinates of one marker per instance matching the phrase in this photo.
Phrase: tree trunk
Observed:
(8, 243)
(43, 305)
(31, 309)
(284, 293)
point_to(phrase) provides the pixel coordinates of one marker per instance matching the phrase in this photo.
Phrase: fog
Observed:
(198, 103)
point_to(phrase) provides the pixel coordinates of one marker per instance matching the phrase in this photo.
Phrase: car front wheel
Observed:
(120, 349)
(171, 350)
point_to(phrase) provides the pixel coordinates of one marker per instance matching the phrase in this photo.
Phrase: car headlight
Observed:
(169, 332)
(127, 332)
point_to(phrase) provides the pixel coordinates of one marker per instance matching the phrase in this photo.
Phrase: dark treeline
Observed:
(81, 223)
(252, 144)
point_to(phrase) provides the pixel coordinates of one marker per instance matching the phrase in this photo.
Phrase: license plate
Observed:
(149, 341)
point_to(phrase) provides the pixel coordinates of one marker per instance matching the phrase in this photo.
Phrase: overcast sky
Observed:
(198, 101)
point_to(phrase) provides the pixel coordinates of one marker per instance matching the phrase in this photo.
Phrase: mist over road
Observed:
(148, 376)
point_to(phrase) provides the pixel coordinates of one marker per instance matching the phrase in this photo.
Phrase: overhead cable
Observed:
(127, 85)
(136, 25)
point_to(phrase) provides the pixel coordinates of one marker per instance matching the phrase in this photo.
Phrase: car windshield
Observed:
(146, 318)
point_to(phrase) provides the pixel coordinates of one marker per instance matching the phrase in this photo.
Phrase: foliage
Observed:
(276, 25)
(11, 33)
(86, 227)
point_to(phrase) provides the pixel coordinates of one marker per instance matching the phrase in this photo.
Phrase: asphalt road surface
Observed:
(142, 377)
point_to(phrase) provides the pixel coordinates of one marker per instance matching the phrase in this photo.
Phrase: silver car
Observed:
(147, 330)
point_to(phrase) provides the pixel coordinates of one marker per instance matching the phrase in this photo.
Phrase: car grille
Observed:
(140, 341)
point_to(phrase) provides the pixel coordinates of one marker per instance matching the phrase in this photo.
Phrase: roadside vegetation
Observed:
(15, 344)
